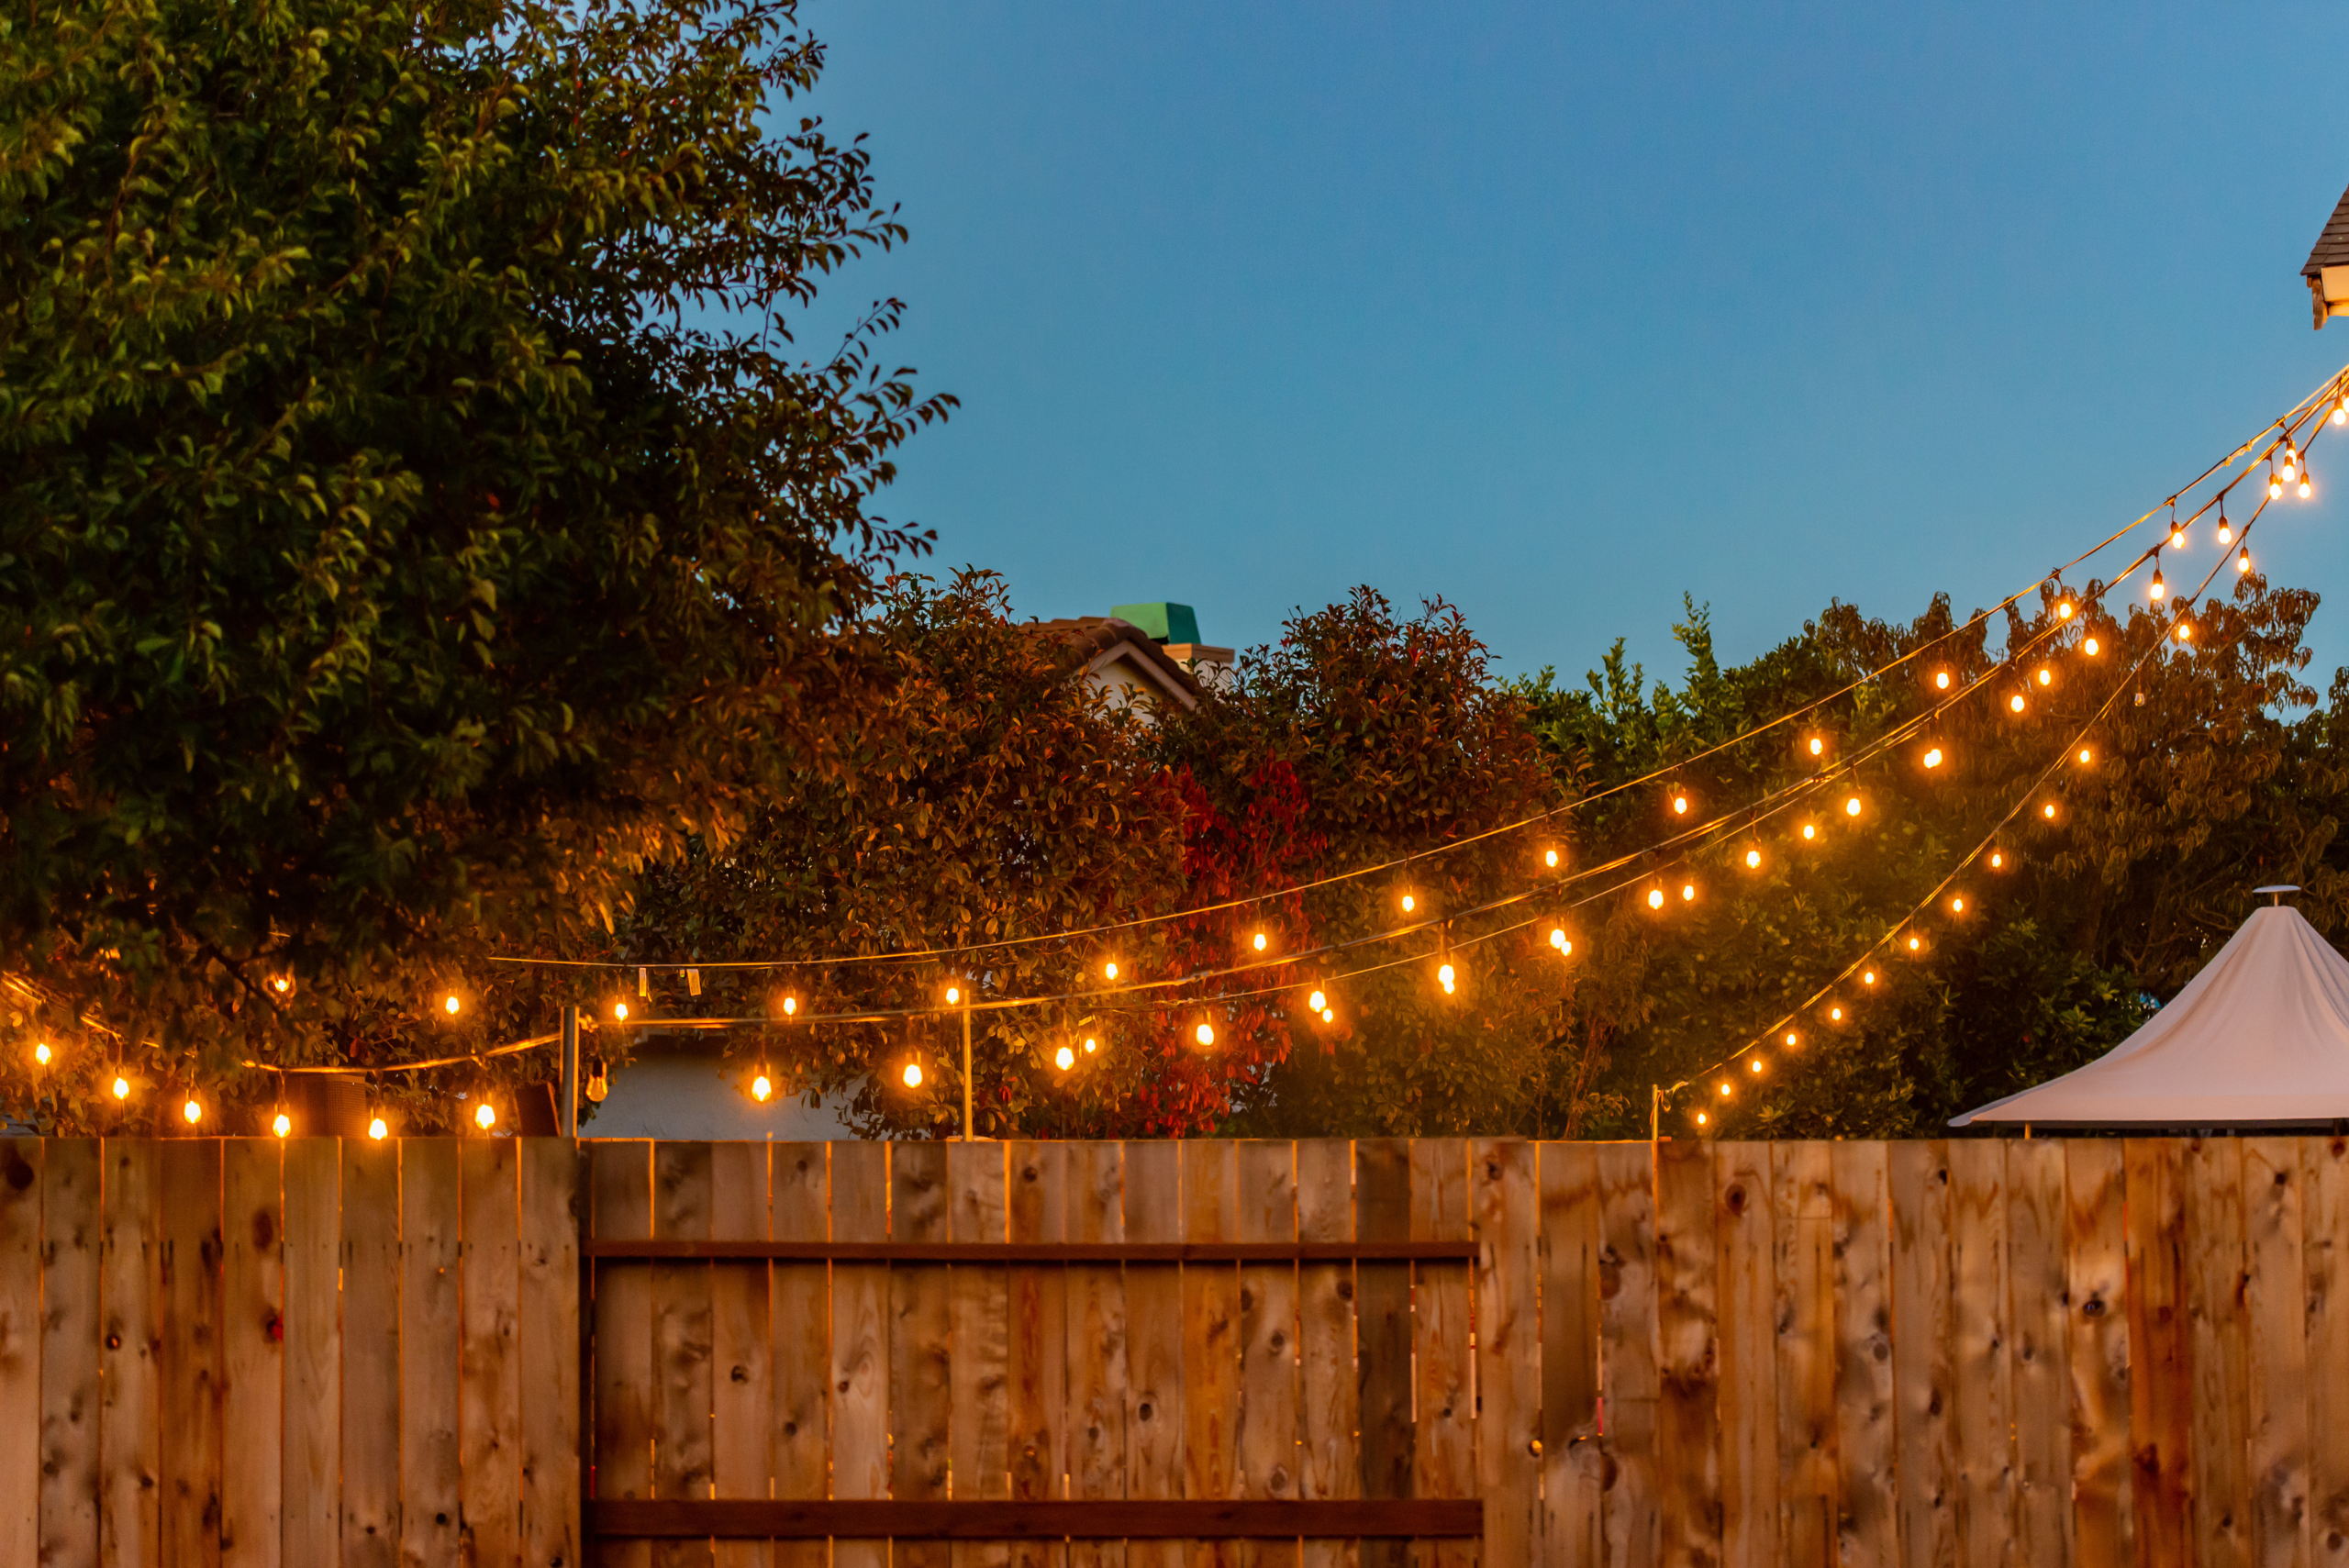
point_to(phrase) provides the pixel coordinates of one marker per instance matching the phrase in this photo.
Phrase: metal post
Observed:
(567, 1113)
(969, 1129)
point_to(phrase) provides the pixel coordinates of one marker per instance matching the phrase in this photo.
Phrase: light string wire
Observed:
(2333, 388)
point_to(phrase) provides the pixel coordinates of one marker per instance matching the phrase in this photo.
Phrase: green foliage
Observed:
(388, 568)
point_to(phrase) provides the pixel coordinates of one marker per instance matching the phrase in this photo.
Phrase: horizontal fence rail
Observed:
(1099, 1355)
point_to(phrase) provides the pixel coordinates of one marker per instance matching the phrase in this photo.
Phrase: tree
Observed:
(415, 524)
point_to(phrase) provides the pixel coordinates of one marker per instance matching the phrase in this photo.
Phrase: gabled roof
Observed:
(1095, 643)
(2332, 245)
(2259, 1038)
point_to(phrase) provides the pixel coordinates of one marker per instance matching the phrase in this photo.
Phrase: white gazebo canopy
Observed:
(2259, 1038)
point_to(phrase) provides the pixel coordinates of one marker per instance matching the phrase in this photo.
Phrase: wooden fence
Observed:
(1114, 1356)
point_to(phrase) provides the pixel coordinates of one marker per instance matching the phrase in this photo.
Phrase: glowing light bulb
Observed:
(1550, 858)
(1791, 1039)
(40, 1053)
(1818, 746)
(2046, 675)
(1754, 1066)
(2186, 631)
(1445, 977)
(281, 985)
(1868, 978)
(1941, 679)
(1065, 1058)
(1934, 758)
(1998, 859)
(1835, 1014)
(2176, 536)
(2084, 756)
(619, 1012)
(1558, 939)
(953, 994)
(790, 1006)
(1091, 1045)
(2226, 532)
(121, 1088)
(1700, 1118)
(377, 1129)
(2155, 588)
(2290, 471)
(193, 1112)
(2243, 559)
(2063, 609)
(2306, 488)
(1914, 944)
(1316, 1002)
(1656, 897)
(2048, 811)
(1688, 891)
(2015, 702)
(762, 1089)
(1203, 1034)
(1109, 969)
(1409, 902)
(449, 1004)
(1852, 806)
(1957, 906)
(2089, 647)
(913, 1074)
(1724, 1090)
(484, 1116)
(2275, 487)
(283, 1125)
(2341, 411)
(1809, 830)
(1259, 942)
(1753, 859)
(1327, 1016)
(1679, 805)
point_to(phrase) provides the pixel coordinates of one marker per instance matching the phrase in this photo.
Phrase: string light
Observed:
(1998, 859)
(1852, 806)
(1753, 859)
(762, 1088)
(1957, 906)
(1444, 975)
(2089, 647)
(1941, 679)
(1817, 745)
(2015, 702)
(2063, 609)
(1327, 1016)
(790, 1006)
(283, 1126)
(192, 1110)
(1259, 942)
(913, 1075)
(2046, 676)
(2274, 487)
(376, 1128)
(2186, 631)
(2291, 466)
(2085, 755)
(1700, 1118)
(1687, 892)
(40, 1053)
(2048, 811)
(1408, 903)
(2226, 528)
(484, 1116)
(1835, 1014)
(1656, 897)
(1933, 757)
(619, 1012)
(1680, 805)
(1091, 1045)
(1065, 1058)
(1109, 969)
(1558, 939)
(1203, 1034)
(1868, 978)
(121, 1088)
(2341, 411)
(1792, 1040)
(1809, 831)
(1316, 1003)
(953, 994)
(1755, 1064)
(1550, 858)
(1914, 944)
(449, 1004)
(2243, 559)
(2153, 589)
(1725, 1090)
(2306, 486)
(281, 983)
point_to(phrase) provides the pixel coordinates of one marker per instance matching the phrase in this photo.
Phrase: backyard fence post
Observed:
(567, 1113)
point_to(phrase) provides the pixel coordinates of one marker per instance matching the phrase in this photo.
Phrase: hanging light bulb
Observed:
(1408, 903)
(2243, 559)
(1680, 806)
(762, 1088)
(1941, 679)
(1868, 978)
(376, 1128)
(2226, 528)
(1065, 1058)
(790, 1006)
(2186, 631)
(2275, 487)
(1914, 944)
(2153, 589)
(1792, 1040)
(1445, 977)
(2307, 487)
(1755, 1064)
(1809, 830)
(1656, 897)
(2290, 471)
(192, 1110)
(1852, 806)
(1687, 892)
(2046, 676)
(1933, 757)
(1998, 859)
(2063, 609)
(2015, 702)
(1835, 1014)
(283, 1126)
(40, 1053)
(1724, 1090)
(121, 1088)
(1091, 1045)
(2176, 536)
(2048, 811)
(449, 1004)
(1328, 1017)
(2341, 411)
(1203, 1034)
(953, 994)
(2090, 646)
(1753, 859)
(1558, 939)
(281, 983)
(2085, 755)
(619, 1012)
(1550, 858)
(1957, 906)
(1109, 969)
(913, 1074)
(1818, 746)
(1259, 942)
(484, 1116)
(1700, 1118)
(1316, 1002)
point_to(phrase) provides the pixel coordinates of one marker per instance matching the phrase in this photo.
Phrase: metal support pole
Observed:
(567, 1113)
(969, 1129)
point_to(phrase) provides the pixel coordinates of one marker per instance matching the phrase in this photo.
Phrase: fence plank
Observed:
(252, 1324)
(2038, 1344)
(1444, 1453)
(920, 1341)
(860, 1375)
(1155, 1406)
(1688, 1460)
(1572, 1470)
(310, 1524)
(489, 1389)
(620, 1177)
(1098, 1344)
(1922, 1365)
(800, 1333)
(188, 1363)
(741, 1384)
(2324, 1171)
(977, 1433)
(2161, 1379)
(683, 1382)
(371, 1354)
(1629, 1378)
(1803, 1316)
(2275, 1309)
(431, 1492)
(1210, 1341)
(2097, 1305)
(2211, 1174)
(20, 1336)
(129, 1517)
(71, 1327)
(1330, 1457)
(1866, 1480)
(1505, 1198)
(1984, 1424)
(1266, 1447)
(1383, 1332)
(1745, 1246)
(1037, 1202)
(547, 1298)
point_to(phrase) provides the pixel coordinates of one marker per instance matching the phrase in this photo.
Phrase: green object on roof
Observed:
(1161, 622)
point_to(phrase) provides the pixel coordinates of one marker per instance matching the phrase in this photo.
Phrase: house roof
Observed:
(2332, 245)
(2259, 1038)
(1091, 644)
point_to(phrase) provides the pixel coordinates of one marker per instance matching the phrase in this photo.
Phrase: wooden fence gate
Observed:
(1976, 1352)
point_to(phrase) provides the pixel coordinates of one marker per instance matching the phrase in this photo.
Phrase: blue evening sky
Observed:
(1557, 311)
